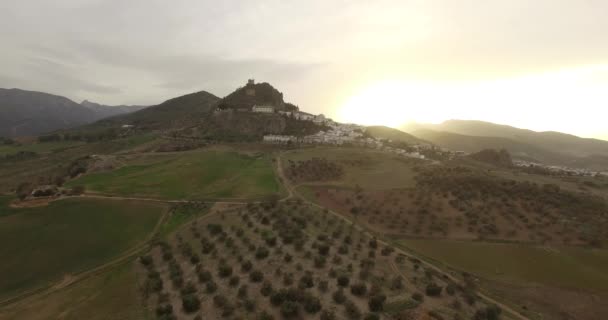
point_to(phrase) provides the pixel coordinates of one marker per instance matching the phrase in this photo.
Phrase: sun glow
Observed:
(389, 103)
(561, 100)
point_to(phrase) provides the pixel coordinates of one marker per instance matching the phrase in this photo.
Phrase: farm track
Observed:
(291, 190)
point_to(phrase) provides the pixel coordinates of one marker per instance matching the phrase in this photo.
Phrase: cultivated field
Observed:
(188, 175)
(114, 294)
(559, 282)
(370, 169)
(291, 261)
(37, 147)
(41, 245)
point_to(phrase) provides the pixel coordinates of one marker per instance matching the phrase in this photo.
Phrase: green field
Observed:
(43, 244)
(370, 169)
(108, 296)
(37, 147)
(191, 175)
(565, 267)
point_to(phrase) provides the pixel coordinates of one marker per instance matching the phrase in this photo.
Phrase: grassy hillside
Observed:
(192, 175)
(44, 244)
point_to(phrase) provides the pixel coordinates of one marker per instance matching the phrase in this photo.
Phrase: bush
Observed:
(327, 315)
(352, 311)
(204, 276)
(312, 304)
(339, 296)
(266, 289)
(261, 253)
(146, 260)
(191, 303)
(264, 315)
(417, 296)
(234, 281)
(210, 287)
(306, 281)
(358, 289)
(246, 266)
(433, 290)
(256, 276)
(323, 286)
(376, 302)
(491, 312)
(397, 283)
(289, 309)
(243, 290)
(372, 316)
(224, 271)
(343, 281)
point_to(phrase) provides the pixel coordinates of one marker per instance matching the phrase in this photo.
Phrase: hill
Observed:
(173, 113)
(25, 113)
(548, 147)
(383, 132)
(499, 158)
(255, 94)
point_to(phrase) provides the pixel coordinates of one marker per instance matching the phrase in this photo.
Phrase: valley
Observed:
(200, 208)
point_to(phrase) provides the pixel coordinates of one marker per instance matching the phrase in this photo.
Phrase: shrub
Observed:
(339, 296)
(306, 281)
(417, 296)
(352, 311)
(358, 289)
(234, 281)
(289, 309)
(256, 276)
(243, 290)
(204, 276)
(210, 287)
(343, 281)
(146, 260)
(312, 304)
(327, 315)
(433, 290)
(372, 316)
(376, 302)
(323, 286)
(246, 266)
(266, 289)
(224, 271)
(191, 303)
(261, 253)
(397, 283)
(264, 315)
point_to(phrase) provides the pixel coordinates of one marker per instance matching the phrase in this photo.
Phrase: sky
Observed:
(541, 64)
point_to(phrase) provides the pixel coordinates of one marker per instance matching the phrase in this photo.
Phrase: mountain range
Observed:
(26, 113)
(547, 147)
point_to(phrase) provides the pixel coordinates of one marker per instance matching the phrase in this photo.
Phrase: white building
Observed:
(263, 109)
(279, 139)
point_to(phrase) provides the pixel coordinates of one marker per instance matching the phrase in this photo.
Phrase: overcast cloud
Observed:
(317, 52)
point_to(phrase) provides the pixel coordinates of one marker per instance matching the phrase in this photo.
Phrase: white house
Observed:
(263, 109)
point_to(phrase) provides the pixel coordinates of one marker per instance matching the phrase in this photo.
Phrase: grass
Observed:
(193, 175)
(565, 267)
(370, 169)
(111, 295)
(41, 245)
(38, 147)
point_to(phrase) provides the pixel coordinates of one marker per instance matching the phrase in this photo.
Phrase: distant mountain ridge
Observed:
(548, 147)
(24, 113)
(105, 111)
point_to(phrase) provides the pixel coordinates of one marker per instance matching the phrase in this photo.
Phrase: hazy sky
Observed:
(538, 64)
